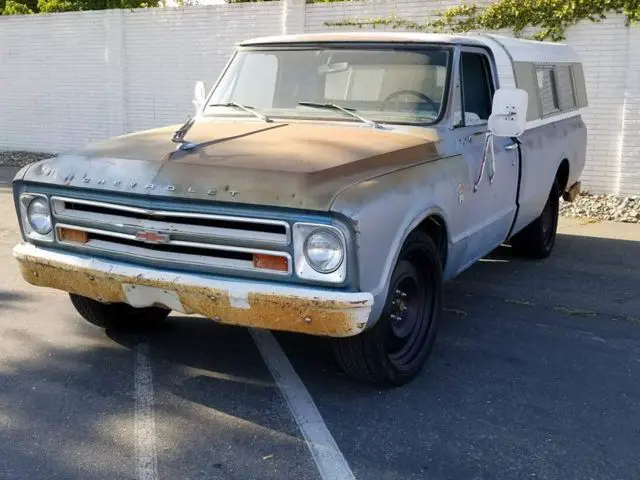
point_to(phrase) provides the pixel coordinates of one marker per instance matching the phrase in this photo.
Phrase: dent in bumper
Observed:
(250, 304)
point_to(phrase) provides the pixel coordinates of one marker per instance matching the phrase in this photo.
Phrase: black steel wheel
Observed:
(118, 315)
(538, 238)
(394, 350)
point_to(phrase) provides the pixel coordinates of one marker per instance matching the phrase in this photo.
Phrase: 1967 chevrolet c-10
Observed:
(327, 185)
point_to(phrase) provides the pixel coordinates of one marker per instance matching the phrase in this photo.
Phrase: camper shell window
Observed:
(566, 92)
(547, 90)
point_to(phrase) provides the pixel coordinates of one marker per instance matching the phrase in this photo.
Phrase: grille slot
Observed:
(187, 239)
(169, 248)
(202, 221)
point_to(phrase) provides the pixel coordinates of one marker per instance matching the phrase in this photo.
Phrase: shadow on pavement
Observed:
(534, 375)
(226, 366)
(517, 387)
(11, 300)
(584, 275)
(60, 408)
(68, 411)
(218, 410)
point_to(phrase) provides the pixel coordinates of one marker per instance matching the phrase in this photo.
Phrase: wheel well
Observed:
(562, 177)
(435, 227)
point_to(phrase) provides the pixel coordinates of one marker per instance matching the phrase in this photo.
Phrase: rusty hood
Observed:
(296, 165)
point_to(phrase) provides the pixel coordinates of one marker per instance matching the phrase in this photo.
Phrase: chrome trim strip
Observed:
(131, 226)
(170, 214)
(169, 256)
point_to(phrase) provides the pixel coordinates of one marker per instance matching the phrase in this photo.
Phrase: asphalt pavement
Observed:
(535, 374)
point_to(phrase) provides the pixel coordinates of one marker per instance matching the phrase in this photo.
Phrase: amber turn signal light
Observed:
(75, 236)
(270, 262)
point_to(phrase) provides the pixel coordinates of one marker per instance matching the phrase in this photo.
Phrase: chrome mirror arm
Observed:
(488, 148)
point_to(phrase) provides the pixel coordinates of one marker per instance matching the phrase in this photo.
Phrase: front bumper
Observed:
(234, 302)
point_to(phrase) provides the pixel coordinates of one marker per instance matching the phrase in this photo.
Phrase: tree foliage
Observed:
(12, 7)
(549, 18)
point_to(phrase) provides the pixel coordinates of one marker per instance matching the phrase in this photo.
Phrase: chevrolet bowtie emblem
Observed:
(149, 236)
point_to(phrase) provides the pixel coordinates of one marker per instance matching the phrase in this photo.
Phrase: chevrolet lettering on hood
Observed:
(333, 199)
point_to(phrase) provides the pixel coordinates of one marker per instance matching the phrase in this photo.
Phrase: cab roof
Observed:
(518, 50)
(361, 37)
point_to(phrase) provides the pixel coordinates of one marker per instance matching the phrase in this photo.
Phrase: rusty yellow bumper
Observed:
(251, 304)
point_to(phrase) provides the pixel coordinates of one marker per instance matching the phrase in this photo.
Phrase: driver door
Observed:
(489, 203)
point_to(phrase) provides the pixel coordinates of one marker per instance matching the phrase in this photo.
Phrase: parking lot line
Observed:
(145, 435)
(325, 452)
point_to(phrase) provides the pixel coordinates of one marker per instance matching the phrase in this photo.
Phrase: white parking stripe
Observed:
(145, 429)
(329, 460)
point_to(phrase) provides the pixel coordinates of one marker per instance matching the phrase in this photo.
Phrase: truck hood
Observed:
(296, 165)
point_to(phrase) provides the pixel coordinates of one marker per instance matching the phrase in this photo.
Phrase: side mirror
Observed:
(509, 113)
(199, 96)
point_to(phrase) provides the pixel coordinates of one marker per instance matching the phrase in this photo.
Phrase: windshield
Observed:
(381, 85)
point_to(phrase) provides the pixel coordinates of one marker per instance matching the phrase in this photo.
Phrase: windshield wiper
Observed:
(348, 111)
(245, 108)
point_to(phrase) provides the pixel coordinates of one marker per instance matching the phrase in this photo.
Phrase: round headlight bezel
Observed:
(339, 242)
(45, 213)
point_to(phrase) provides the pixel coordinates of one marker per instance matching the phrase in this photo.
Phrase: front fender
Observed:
(384, 210)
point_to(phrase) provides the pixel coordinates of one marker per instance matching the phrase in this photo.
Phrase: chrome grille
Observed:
(187, 238)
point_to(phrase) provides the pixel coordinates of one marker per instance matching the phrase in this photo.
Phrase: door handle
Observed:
(511, 146)
(473, 135)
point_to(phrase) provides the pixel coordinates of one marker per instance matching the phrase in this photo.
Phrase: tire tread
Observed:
(360, 356)
(117, 315)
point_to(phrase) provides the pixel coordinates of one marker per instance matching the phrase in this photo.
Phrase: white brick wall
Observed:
(603, 49)
(67, 79)
(71, 78)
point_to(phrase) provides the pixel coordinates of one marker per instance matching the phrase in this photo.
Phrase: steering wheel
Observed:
(415, 93)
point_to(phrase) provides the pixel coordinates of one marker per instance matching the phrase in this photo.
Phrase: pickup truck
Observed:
(328, 184)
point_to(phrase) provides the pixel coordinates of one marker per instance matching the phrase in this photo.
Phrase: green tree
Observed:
(49, 6)
(12, 7)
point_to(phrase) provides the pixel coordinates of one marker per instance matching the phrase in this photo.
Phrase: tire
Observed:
(538, 238)
(117, 315)
(394, 350)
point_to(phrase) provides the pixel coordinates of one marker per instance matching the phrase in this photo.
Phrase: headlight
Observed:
(321, 252)
(324, 251)
(39, 215)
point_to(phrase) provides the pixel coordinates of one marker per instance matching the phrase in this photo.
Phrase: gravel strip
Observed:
(20, 159)
(603, 207)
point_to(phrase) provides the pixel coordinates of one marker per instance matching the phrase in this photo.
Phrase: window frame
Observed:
(551, 68)
(393, 46)
(572, 82)
(492, 83)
